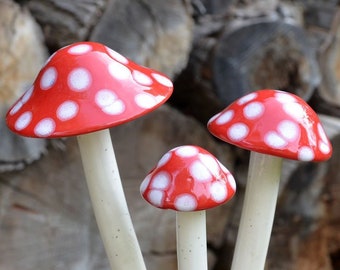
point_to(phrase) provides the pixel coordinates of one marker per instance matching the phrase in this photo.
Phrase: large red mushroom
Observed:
(273, 125)
(83, 90)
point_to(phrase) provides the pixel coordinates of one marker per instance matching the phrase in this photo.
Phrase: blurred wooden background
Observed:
(215, 51)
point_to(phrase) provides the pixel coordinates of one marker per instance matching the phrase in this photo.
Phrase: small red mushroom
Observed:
(273, 125)
(189, 180)
(84, 89)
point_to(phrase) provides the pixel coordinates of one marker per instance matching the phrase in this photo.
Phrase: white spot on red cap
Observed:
(145, 100)
(117, 56)
(231, 181)
(109, 102)
(23, 121)
(238, 131)
(185, 202)
(305, 153)
(288, 130)
(218, 192)
(79, 79)
(145, 183)
(45, 127)
(48, 78)
(165, 158)
(294, 109)
(17, 106)
(27, 94)
(324, 147)
(119, 71)
(247, 98)
(156, 197)
(162, 79)
(274, 140)
(253, 110)
(200, 172)
(67, 110)
(284, 97)
(161, 180)
(80, 49)
(322, 133)
(209, 163)
(186, 151)
(141, 78)
(225, 117)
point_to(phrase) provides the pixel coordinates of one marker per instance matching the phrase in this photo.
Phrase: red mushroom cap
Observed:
(85, 87)
(188, 178)
(273, 122)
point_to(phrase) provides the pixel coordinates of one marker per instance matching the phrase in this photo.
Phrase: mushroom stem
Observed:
(191, 240)
(258, 212)
(108, 201)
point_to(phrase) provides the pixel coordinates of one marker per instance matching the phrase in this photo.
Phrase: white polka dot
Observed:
(289, 130)
(156, 197)
(305, 153)
(145, 183)
(185, 202)
(294, 110)
(161, 180)
(324, 147)
(117, 56)
(141, 78)
(238, 132)
(67, 110)
(223, 168)
(27, 95)
(23, 121)
(285, 97)
(213, 118)
(162, 79)
(274, 140)
(253, 110)
(225, 117)
(109, 102)
(165, 158)
(231, 181)
(218, 192)
(79, 79)
(246, 98)
(145, 100)
(49, 78)
(119, 71)
(200, 172)
(80, 49)
(210, 163)
(186, 151)
(322, 133)
(17, 106)
(45, 127)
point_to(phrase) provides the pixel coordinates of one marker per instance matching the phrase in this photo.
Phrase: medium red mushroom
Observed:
(84, 89)
(189, 180)
(273, 125)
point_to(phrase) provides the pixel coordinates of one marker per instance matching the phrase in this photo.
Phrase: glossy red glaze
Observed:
(273, 122)
(85, 87)
(188, 178)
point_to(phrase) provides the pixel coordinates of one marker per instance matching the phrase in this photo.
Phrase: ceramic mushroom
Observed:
(83, 90)
(189, 180)
(273, 125)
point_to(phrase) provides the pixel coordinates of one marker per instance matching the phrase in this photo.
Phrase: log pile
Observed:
(215, 51)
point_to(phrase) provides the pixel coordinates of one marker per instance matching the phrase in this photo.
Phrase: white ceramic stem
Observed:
(108, 201)
(191, 240)
(258, 212)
